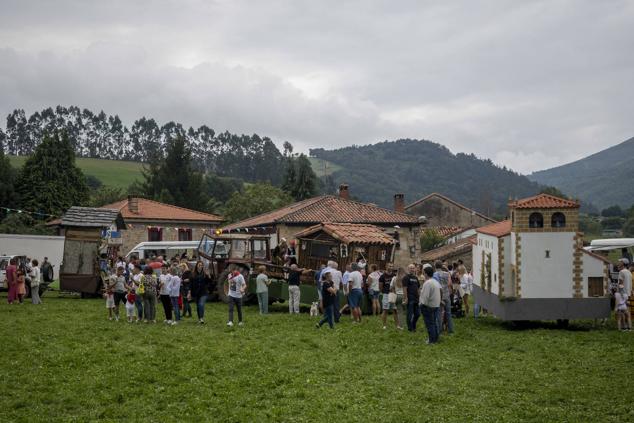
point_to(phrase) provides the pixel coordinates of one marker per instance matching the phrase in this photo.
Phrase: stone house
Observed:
(149, 220)
(288, 221)
(441, 211)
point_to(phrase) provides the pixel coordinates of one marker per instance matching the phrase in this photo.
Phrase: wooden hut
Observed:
(344, 243)
(89, 232)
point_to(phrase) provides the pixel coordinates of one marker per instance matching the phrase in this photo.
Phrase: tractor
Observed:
(225, 253)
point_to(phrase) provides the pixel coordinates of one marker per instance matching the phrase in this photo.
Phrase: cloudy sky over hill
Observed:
(528, 84)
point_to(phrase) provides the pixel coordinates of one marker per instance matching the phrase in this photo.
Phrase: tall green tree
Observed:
(306, 180)
(255, 199)
(300, 180)
(49, 181)
(7, 182)
(172, 179)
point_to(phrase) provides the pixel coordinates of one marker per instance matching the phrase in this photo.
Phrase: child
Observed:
(21, 289)
(174, 288)
(109, 296)
(620, 308)
(236, 289)
(130, 306)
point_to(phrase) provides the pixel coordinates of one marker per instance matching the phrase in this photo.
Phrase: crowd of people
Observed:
(438, 292)
(26, 274)
(139, 285)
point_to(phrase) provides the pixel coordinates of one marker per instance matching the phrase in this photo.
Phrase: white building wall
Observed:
(489, 245)
(509, 289)
(544, 277)
(592, 268)
(34, 247)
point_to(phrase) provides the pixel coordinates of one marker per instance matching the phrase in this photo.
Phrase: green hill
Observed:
(417, 168)
(323, 167)
(604, 178)
(109, 172)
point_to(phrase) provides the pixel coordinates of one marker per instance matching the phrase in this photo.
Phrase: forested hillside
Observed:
(97, 135)
(416, 168)
(604, 178)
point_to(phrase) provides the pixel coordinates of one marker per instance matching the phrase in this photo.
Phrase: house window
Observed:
(558, 220)
(155, 234)
(595, 287)
(536, 220)
(547, 253)
(184, 234)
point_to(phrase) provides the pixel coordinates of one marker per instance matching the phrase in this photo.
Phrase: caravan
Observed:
(167, 249)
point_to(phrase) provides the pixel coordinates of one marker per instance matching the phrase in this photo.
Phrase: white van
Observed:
(167, 249)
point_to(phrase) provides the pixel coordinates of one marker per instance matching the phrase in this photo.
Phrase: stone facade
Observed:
(138, 232)
(520, 219)
(442, 211)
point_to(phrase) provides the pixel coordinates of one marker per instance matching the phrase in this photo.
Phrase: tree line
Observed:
(98, 135)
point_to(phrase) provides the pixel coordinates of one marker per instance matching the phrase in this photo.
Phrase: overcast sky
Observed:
(529, 84)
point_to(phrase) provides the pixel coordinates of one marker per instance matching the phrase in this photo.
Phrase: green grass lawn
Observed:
(323, 167)
(110, 172)
(64, 361)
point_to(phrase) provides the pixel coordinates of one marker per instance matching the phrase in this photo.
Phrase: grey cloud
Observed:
(528, 84)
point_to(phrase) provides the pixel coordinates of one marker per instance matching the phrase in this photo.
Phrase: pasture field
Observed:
(64, 361)
(112, 173)
(323, 167)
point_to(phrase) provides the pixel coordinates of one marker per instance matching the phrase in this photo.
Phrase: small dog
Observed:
(314, 310)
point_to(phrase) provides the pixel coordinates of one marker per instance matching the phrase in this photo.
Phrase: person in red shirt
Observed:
(12, 281)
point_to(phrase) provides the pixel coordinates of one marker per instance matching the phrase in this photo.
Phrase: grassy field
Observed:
(109, 172)
(323, 167)
(65, 361)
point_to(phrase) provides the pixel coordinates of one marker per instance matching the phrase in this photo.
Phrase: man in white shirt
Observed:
(355, 282)
(625, 276)
(429, 301)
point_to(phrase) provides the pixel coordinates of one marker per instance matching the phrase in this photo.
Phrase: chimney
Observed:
(133, 204)
(343, 191)
(399, 203)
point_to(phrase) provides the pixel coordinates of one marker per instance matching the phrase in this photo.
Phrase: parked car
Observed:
(23, 263)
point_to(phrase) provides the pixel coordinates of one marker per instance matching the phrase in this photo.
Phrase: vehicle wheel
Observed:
(220, 284)
(562, 323)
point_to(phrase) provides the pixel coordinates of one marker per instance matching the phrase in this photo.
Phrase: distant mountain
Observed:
(604, 179)
(417, 168)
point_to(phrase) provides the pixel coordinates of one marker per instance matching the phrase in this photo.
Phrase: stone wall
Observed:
(440, 212)
(520, 220)
(139, 232)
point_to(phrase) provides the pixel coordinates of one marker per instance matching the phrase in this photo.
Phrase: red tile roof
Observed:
(544, 201)
(450, 250)
(153, 210)
(455, 203)
(327, 208)
(350, 233)
(499, 229)
(446, 231)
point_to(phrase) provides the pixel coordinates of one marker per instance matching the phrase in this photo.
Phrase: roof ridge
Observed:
(178, 207)
(454, 202)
